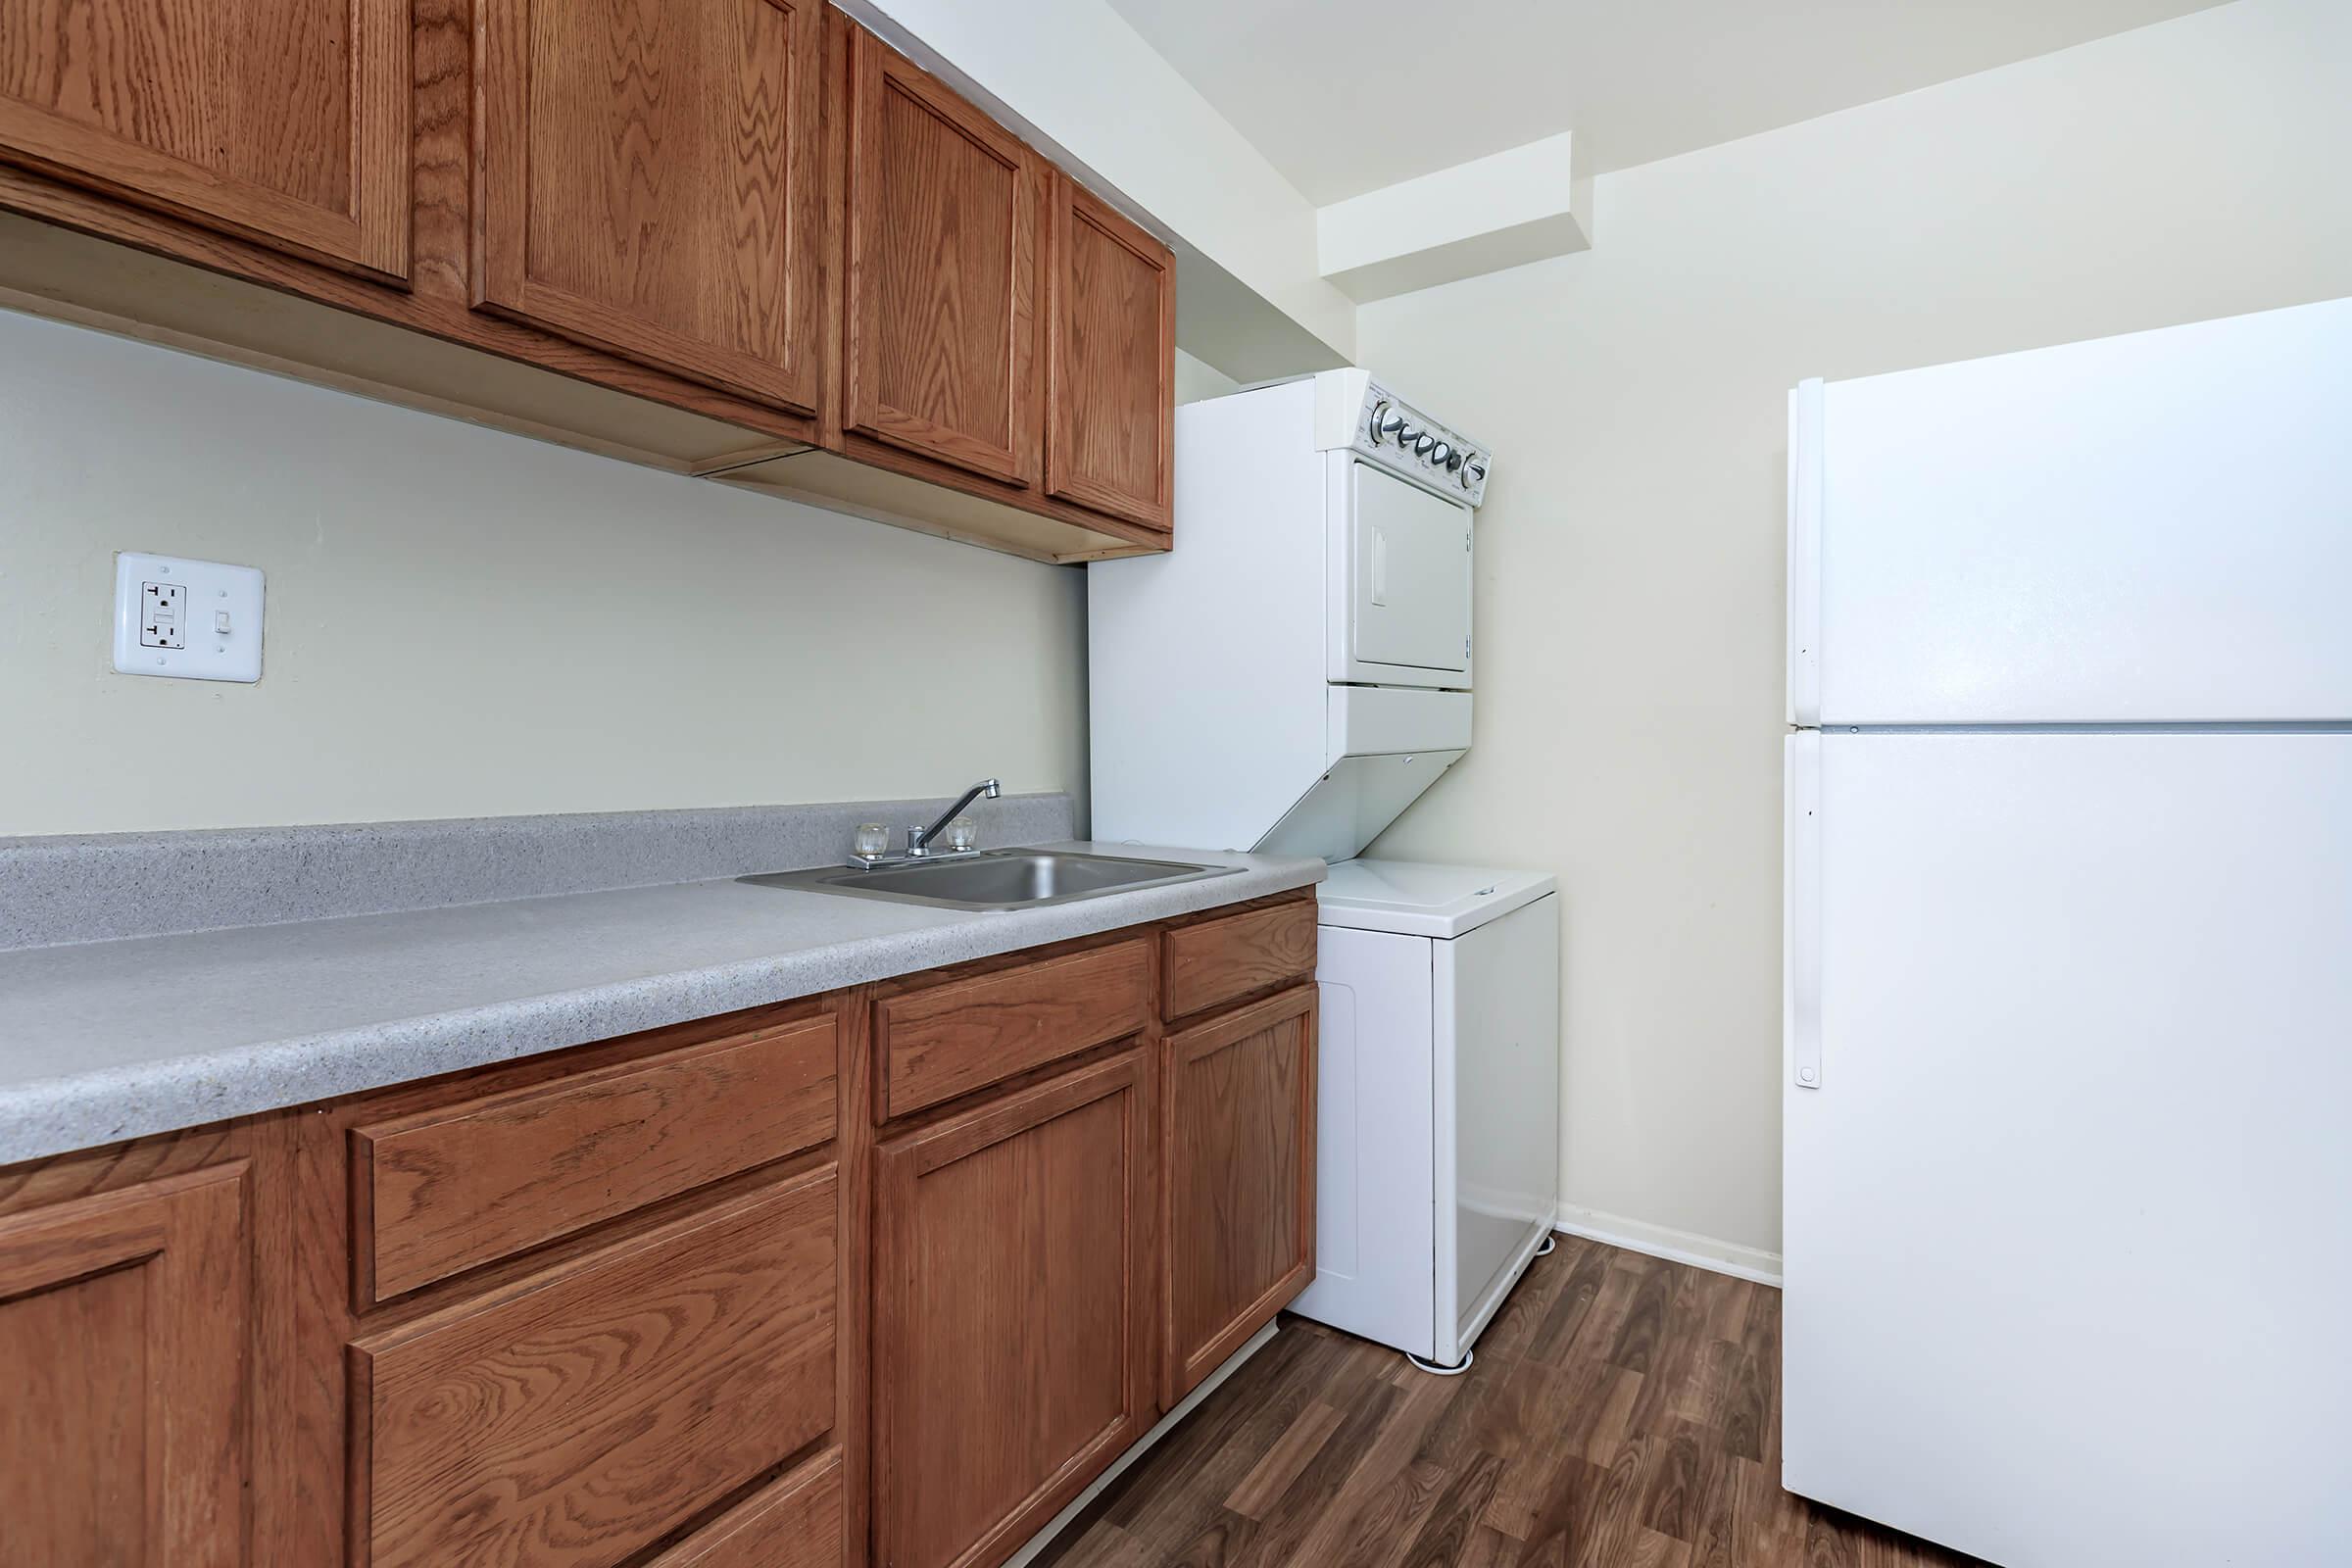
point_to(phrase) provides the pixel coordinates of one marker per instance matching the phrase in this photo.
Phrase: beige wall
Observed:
(1630, 577)
(1197, 378)
(462, 622)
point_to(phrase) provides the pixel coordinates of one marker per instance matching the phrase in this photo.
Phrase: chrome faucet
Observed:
(918, 839)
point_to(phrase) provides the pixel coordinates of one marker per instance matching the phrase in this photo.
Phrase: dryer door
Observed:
(1401, 584)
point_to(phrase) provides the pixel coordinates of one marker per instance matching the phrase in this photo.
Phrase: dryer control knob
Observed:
(1440, 455)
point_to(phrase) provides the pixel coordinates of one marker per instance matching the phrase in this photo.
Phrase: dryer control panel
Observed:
(1355, 413)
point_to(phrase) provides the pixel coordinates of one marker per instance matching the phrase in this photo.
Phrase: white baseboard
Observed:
(1675, 1247)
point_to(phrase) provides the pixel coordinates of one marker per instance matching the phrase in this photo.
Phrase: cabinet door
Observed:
(1011, 1313)
(281, 121)
(1240, 1193)
(125, 1321)
(1111, 358)
(941, 337)
(651, 184)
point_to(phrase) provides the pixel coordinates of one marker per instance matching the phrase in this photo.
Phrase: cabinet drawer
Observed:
(1218, 961)
(580, 1415)
(948, 1040)
(443, 1191)
(791, 1522)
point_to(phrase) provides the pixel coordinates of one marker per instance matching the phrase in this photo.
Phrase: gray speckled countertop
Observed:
(102, 1041)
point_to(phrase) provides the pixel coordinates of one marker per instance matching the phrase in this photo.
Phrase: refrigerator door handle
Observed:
(1800, 981)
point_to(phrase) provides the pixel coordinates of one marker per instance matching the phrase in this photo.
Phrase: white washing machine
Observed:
(1438, 1143)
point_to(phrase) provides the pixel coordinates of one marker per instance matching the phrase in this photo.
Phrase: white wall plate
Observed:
(192, 619)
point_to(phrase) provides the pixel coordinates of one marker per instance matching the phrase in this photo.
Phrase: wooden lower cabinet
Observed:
(708, 1297)
(125, 1330)
(1217, 961)
(1239, 1105)
(940, 1043)
(796, 1520)
(581, 1415)
(453, 1187)
(1011, 1313)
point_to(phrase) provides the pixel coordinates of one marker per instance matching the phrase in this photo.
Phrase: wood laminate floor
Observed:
(1623, 1412)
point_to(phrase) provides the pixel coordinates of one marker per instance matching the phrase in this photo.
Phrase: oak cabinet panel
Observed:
(1011, 1313)
(1219, 960)
(125, 1322)
(1239, 1110)
(445, 1189)
(579, 1415)
(791, 1522)
(650, 181)
(280, 120)
(941, 281)
(1111, 358)
(944, 1041)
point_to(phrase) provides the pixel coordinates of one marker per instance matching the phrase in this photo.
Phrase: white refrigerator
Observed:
(2067, 1033)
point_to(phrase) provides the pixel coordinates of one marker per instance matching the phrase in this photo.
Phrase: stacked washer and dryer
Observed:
(1288, 680)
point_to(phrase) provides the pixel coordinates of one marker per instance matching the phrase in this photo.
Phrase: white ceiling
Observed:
(1345, 96)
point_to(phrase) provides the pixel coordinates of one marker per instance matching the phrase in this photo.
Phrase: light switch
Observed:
(163, 605)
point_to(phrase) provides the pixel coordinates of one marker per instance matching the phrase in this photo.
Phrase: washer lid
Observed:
(1415, 899)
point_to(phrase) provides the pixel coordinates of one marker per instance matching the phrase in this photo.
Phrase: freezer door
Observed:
(2151, 528)
(2068, 1208)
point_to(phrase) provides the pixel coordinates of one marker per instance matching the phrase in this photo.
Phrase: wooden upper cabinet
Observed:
(940, 336)
(649, 180)
(126, 1328)
(1110, 359)
(284, 122)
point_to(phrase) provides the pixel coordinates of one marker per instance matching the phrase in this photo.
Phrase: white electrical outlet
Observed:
(160, 607)
(192, 619)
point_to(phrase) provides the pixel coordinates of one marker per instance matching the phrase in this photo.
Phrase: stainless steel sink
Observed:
(996, 879)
